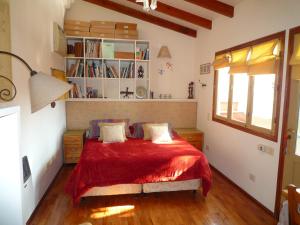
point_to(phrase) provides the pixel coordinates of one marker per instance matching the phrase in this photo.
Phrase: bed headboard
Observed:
(179, 114)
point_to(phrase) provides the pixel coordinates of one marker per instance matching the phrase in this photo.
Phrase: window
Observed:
(247, 85)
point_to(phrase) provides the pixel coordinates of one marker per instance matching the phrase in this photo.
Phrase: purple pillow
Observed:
(94, 130)
(137, 130)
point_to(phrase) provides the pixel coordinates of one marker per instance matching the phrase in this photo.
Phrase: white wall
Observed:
(234, 152)
(41, 132)
(181, 48)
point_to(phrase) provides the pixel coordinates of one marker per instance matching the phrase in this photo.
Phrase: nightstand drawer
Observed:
(73, 145)
(73, 140)
(71, 160)
(196, 144)
(73, 151)
(192, 137)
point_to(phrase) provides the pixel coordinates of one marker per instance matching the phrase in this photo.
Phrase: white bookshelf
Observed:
(109, 88)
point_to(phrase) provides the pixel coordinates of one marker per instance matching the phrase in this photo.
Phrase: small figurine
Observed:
(126, 93)
(191, 90)
(141, 72)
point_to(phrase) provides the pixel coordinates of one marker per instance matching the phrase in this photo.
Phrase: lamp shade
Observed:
(164, 52)
(45, 89)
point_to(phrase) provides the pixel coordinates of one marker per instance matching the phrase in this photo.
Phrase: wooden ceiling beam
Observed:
(214, 5)
(181, 14)
(144, 16)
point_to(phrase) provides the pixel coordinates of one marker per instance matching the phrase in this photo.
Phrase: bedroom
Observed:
(246, 164)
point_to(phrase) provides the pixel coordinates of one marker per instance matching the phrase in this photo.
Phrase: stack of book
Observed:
(91, 92)
(128, 71)
(142, 54)
(93, 68)
(75, 49)
(110, 71)
(75, 69)
(76, 91)
(93, 49)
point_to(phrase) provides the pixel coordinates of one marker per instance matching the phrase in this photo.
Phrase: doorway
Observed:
(289, 161)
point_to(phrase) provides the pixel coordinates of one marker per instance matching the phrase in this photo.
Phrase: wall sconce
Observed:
(44, 89)
(164, 53)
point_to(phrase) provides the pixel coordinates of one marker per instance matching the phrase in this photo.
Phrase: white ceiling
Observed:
(181, 4)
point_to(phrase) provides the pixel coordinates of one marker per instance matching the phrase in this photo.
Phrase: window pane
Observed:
(263, 100)
(240, 97)
(223, 92)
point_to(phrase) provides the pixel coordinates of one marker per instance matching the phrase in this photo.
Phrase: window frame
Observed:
(248, 127)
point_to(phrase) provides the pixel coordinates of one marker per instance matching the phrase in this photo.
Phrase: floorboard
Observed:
(225, 205)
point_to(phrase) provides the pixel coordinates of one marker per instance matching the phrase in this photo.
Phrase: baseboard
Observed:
(44, 195)
(244, 192)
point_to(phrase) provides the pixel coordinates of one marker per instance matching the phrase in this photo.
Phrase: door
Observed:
(291, 173)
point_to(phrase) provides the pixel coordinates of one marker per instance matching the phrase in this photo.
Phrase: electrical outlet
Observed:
(208, 116)
(207, 147)
(265, 149)
(252, 177)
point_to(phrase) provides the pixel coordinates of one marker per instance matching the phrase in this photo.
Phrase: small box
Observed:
(77, 33)
(124, 55)
(126, 36)
(101, 35)
(76, 28)
(128, 32)
(103, 24)
(77, 23)
(102, 30)
(126, 26)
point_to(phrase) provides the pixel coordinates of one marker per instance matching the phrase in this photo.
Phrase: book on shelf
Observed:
(108, 50)
(75, 69)
(128, 71)
(142, 54)
(76, 91)
(91, 92)
(93, 68)
(93, 49)
(78, 49)
(110, 71)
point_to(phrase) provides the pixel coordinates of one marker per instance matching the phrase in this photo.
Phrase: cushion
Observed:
(113, 134)
(102, 125)
(160, 134)
(94, 130)
(137, 130)
(147, 129)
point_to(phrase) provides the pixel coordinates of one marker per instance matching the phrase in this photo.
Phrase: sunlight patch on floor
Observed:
(125, 210)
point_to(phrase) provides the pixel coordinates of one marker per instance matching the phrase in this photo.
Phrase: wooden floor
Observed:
(224, 205)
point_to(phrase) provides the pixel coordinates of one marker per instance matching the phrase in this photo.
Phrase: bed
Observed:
(138, 166)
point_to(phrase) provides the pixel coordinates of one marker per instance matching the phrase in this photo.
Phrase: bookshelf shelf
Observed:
(106, 68)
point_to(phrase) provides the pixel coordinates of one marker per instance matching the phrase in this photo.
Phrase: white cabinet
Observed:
(10, 168)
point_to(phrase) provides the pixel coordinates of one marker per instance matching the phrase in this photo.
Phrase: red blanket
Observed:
(136, 162)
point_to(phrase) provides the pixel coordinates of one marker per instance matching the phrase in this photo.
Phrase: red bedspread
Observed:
(136, 162)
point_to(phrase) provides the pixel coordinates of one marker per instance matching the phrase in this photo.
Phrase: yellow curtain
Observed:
(295, 59)
(264, 58)
(238, 62)
(59, 74)
(221, 61)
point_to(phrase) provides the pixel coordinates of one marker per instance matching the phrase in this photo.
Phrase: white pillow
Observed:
(160, 134)
(113, 134)
(101, 125)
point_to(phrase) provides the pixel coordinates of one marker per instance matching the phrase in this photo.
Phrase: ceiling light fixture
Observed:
(146, 6)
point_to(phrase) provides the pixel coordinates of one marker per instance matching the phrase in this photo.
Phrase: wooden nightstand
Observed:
(73, 145)
(192, 135)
